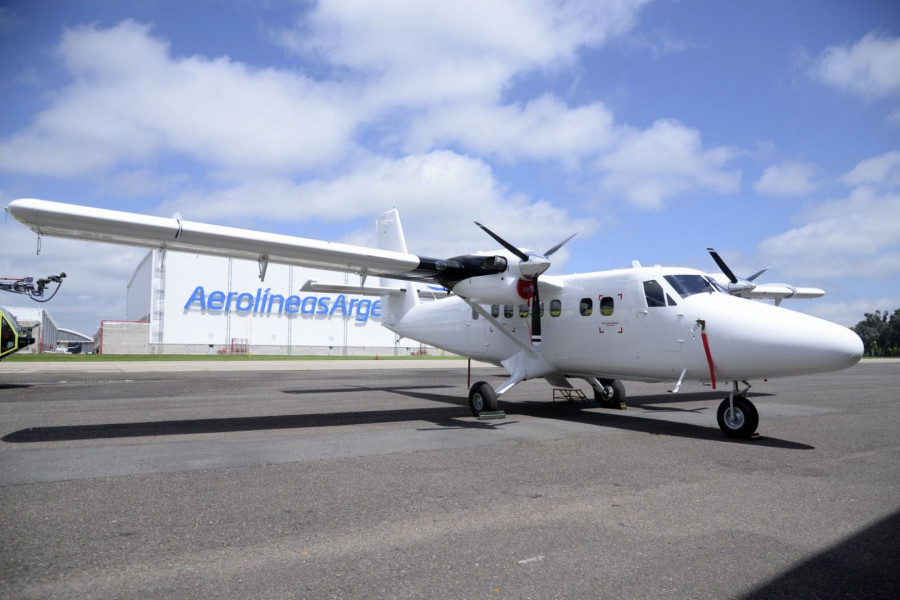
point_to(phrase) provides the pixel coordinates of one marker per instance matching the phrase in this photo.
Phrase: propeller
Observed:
(531, 265)
(737, 284)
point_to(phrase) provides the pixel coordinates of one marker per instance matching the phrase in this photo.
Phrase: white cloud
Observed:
(96, 275)
(791, 178)
(651, 166)
(852, 312)
(660, 42)
(447, 65)
(437, 51)
(880, 170)
(855, 237)
(543, 129)
(438, 194)
(130, 100)
(869, 68)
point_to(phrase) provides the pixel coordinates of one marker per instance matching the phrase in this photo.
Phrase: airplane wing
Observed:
(780, 291)
(116, 227)
(771, 291)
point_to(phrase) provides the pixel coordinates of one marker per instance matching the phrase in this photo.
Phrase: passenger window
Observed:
(495, 310)
(555, 308)
(586, 307)
(508, 311)
(654, 293)
(607, 306)
(523, 311)
(474, 314)
(541, 309)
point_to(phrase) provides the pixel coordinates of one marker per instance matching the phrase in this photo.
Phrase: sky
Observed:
(769, 130)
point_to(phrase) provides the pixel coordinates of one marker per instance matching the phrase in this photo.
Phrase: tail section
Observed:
(394, 307)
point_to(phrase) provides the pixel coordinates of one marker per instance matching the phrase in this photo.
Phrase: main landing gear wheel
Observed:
(482, 398)
(741, 422)
(613, 394)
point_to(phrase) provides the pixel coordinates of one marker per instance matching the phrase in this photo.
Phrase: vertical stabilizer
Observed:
(390, 237)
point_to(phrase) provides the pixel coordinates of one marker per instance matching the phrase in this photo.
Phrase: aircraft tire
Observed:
(482, 398)
(617, 400)
(741, 424)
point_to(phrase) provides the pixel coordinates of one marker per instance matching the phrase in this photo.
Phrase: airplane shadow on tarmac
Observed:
(861, 566)
(454, 416)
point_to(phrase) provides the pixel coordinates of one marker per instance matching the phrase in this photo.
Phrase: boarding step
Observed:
(569, 395)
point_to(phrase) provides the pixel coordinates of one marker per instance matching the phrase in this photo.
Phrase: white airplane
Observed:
(642, 324)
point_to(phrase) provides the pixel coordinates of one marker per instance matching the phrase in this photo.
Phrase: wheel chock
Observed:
(489, 415)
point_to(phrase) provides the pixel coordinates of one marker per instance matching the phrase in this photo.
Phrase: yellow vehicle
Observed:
(12, 336)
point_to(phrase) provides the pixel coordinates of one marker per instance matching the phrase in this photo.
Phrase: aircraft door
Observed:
(477, 333)
(659, 322)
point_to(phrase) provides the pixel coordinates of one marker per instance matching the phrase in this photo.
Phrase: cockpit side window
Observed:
(654, 293)
(688, 285)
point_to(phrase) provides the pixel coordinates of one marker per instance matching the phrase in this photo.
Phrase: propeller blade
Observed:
(725, 270)
(560, 245)
(536, 315)
(758, 273)
(504, 243)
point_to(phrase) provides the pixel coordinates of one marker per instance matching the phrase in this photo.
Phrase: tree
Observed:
(880, 335)
(893, 346)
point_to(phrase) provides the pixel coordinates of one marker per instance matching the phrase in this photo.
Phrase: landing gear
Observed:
(612, 394)
(737, 416)
(482, 398)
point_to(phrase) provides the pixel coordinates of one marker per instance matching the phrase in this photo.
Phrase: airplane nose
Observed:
(844, 346)
(771, 341)
(828, 346)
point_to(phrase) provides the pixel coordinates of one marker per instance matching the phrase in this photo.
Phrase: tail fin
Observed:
(390, 237)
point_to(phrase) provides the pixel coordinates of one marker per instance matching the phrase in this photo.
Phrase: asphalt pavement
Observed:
(348, 480)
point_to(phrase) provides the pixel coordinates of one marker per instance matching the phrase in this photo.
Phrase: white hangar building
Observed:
(183, 303)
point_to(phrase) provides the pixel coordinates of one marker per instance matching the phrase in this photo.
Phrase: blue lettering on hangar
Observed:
(265, 302)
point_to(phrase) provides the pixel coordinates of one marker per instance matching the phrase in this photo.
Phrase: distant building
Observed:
(180, 303)
(45, 331)
(47, 335)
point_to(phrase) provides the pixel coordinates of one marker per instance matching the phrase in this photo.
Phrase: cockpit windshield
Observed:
(688, 285)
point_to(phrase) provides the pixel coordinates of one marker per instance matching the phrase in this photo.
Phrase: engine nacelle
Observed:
(501, 288)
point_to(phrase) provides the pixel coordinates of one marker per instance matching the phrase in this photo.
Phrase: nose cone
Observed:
(807, 344)
(769, 341)
(838, 347)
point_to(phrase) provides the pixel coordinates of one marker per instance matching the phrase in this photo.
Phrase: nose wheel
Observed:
(610, 393)
(737, 417)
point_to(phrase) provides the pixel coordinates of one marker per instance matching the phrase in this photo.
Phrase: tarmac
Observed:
(370, 479)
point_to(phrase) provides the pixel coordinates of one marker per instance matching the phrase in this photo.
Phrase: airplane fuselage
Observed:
(644, 323)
